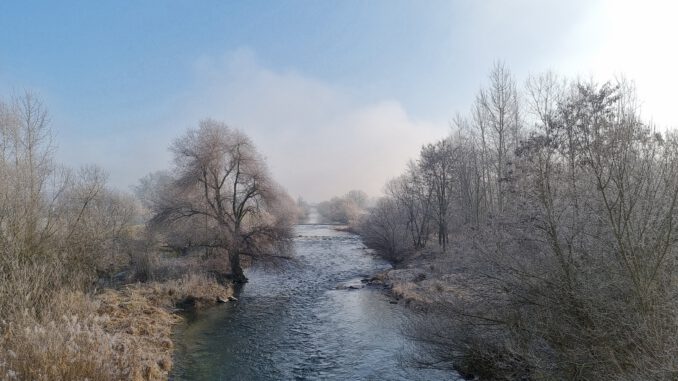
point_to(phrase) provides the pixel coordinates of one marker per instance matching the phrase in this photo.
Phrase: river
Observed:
(298, 321)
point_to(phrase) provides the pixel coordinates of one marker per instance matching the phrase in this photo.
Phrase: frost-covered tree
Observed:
(220, 185)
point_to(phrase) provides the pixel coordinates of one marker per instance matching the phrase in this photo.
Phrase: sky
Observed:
(337, 95)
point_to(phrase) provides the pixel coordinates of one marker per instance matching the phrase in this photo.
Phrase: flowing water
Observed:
(293, 323)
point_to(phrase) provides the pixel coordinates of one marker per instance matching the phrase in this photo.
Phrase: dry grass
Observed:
(115, 335)
(409, 291)
(430, 278)
(428, 291)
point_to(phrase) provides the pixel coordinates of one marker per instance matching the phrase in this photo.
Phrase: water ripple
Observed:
(295, 325)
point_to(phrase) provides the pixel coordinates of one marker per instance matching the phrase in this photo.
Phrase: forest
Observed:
(540, 235)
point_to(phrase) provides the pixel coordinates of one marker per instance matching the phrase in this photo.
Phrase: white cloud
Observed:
(323, 139)
(318, 141)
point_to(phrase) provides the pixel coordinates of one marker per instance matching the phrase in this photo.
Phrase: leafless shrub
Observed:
(59, 231)
(570, 228)
(384, 230)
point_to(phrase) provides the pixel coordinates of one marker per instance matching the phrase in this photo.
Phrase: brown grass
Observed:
(115, 335)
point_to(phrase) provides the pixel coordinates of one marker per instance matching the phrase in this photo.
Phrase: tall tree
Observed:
(221, 183)
(414, 197)
(437, 164)
(500, 121)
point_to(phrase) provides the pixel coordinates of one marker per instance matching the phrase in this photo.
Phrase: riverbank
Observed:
(308, 318)
(115, 334)
(424, 277)
(427, 278)
(436, 283)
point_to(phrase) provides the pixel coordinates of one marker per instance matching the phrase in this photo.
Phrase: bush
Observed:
(384, 230)
(570, 232)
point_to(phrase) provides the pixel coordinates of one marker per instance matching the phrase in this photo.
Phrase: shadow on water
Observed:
(293, 323)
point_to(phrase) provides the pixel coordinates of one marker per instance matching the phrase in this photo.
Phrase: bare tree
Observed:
(438, 164)
(569, 233)
(222, 182)
(27, 161)
(56, 226)
(383, 229)
(95, 225)
(499, 120)
(411, 194)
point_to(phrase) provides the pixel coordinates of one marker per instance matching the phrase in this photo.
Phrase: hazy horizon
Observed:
(337, 96)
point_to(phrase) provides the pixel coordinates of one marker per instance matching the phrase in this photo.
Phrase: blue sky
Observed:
(337, 94)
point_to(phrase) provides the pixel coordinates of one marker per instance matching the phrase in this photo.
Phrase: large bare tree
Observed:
(222, 187)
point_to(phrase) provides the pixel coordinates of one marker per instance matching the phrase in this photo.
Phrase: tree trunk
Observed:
(238, 275)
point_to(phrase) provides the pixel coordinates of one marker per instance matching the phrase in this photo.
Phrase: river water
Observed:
(298, 321)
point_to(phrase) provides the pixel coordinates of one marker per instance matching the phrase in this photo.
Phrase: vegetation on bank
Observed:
(90, 276)
(117, 334)
(345, 210)
(541, 235)
(219, 199)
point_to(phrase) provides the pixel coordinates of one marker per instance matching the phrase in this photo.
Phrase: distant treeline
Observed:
(346, 210)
